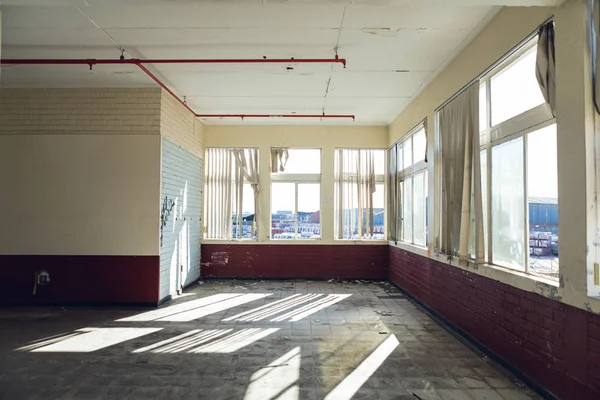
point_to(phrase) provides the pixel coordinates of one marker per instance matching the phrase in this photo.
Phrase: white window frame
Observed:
(516, 127)
(379, 180)
(285, 177)
(410, 172)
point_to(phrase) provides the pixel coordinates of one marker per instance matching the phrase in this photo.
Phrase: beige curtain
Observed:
(246, 166)
(545, 70)
(461, 173)
(218, 202)
(279, 157)
(355, 185)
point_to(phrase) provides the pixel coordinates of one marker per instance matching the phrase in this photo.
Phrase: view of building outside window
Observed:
(296, 196)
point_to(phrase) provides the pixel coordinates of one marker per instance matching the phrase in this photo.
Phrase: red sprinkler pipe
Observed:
(242, 116)
(139, 63)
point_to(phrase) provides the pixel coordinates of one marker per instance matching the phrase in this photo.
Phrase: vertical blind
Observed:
(354, 188)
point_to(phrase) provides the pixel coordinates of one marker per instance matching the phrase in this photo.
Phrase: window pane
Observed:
(515, 89)
(508, 203)
(399, 161)
(309, 204)
(303, 161)
(484, 201)
(244, 230)
(419, 208)
(426, 205)
(542, 190)
(482, 107)
(407, 153)
(378, 208)
(283, 206)
(419, 146)
(407, 211)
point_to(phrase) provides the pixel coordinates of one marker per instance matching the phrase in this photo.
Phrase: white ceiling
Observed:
(392, 47)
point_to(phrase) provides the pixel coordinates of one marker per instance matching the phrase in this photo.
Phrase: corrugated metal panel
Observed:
(543, 214)
(181, 211)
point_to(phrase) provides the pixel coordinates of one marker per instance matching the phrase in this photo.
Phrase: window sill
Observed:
(360, 242)
(227, 241)
(506, 270)
(420, 250)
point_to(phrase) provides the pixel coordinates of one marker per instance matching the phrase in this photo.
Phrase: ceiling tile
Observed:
(247, 85)
(209, 15)
(73, 76)
(255, 104)
(415, 17)
(398, 50)
(56, 38)
(376, 84)
(44, 17)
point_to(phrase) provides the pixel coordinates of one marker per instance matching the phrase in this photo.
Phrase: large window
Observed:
(359, 199)
(295, 193)
(410, 178)
(231, 189)
(519, 168)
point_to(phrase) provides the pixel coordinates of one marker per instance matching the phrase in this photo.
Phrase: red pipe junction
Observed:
(134, 61)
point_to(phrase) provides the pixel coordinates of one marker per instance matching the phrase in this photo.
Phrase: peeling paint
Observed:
(383, 32)
(219, 258)
(548, 291)
(561, 281)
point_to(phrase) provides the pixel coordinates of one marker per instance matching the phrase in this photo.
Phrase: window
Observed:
(295, 193)
(519, 168)
(359, 199)
(411, 187)
(231, 189)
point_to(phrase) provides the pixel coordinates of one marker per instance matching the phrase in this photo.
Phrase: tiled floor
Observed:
(252, 340)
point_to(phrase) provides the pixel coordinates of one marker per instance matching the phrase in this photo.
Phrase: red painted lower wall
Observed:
(294, 261)
(80, 279)
(556, 345)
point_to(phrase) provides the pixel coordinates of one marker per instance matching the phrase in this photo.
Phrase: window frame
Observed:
(296, 179)
(380, 179)
(519, 126)
(410, 172)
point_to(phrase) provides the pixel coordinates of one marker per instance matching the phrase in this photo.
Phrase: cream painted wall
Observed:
(574, 124)
(80, 195)
(80, 171)
(327, 138)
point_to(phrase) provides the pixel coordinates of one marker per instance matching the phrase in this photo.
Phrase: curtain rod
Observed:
(496, 63)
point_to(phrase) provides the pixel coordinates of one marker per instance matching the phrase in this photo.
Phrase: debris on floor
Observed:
(383, 332)
(384, 313)
(286, 338)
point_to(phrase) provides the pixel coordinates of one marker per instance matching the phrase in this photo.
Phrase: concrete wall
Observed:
(83, 168)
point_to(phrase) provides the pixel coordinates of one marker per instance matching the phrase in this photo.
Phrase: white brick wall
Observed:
(180, 126)
(181, 210)
(80, 111)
